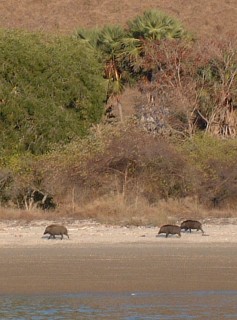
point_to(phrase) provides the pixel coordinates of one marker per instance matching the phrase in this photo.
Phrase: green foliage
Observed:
(122, 49)
(203, 149)
(216, 161)
(108, 42)
(88, 36)
(52, 89)
(156, 25)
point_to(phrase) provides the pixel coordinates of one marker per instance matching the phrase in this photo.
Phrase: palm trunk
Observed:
(120, 109)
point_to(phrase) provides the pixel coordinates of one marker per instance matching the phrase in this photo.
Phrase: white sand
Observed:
(22, 234)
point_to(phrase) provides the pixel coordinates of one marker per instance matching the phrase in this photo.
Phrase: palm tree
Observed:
(108, 41)
(89, 36)
(121, 50)
(155, 25)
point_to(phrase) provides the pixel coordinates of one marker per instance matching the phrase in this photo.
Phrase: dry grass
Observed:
(28, 216)
(213, 18)
(115, 210)
(17, 214)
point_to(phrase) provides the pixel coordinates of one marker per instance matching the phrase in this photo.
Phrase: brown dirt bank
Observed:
(118, 268)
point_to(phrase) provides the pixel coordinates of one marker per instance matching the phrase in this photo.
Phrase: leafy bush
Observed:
(52, 89)
(202, 149)
(215, 159)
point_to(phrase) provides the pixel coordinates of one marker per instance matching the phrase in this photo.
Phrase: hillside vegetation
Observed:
(52, 90)
(68, 142)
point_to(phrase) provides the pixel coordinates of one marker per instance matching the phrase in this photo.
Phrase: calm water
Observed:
(128, 306)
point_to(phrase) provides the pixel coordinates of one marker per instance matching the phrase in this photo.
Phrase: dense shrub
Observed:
(216, 161)
(52, 89)
(125, 162)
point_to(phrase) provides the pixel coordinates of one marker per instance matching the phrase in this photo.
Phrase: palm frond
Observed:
(155, 25)
(89, 36)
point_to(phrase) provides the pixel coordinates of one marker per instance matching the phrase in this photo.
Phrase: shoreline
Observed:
(22, 234)
(99, 258)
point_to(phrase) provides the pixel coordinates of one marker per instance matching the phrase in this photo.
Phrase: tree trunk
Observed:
(120, 109)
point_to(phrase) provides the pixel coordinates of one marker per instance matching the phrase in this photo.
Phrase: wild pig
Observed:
(191, 224)
(55, 229)
(170, 229)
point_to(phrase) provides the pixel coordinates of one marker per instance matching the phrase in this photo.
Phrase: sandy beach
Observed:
(101, 258)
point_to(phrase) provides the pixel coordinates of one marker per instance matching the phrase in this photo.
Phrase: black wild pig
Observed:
(55, 229)
(191, 224)
(170, 229)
